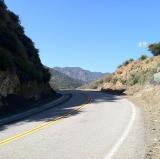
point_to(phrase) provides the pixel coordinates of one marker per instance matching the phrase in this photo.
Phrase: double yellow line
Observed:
(42, 126)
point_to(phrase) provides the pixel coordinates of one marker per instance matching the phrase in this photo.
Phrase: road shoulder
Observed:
(50, 105)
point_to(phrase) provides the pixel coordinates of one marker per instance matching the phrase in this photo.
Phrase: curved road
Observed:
(109, 127)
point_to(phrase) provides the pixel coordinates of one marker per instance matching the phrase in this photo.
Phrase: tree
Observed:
(143, 57)
(18, 53)
(155, 49)
(2, 5)
(128, 62)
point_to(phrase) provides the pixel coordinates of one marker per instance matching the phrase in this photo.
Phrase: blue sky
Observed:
(97, 35)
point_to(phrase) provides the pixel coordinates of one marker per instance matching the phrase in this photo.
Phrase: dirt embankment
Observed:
(149, 99)
(140, 81)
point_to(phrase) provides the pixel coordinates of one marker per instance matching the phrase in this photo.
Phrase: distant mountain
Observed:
(80, 74)
(62, 81)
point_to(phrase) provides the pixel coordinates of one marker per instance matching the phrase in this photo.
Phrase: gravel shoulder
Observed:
(149, 100)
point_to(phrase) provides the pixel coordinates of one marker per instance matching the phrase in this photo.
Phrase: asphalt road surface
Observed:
(108, 127)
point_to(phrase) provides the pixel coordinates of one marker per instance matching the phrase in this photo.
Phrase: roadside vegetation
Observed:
(23, 78)
(142, 71)
(17, 51)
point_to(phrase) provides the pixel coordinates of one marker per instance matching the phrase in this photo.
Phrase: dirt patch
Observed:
(149, 100)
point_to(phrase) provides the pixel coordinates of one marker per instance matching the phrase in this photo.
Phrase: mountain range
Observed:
(62, 81)
(80, 74)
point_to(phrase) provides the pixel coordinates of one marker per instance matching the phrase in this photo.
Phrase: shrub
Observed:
(148, 60)
(17, 50)
(141, 77)
(2, 5)
(114, 80)
(143, 57)
(6, 59)
(46, 75)
(10, 41)
(119, 66)
(123, 81)
(127, 62)
(31, 72)
(155, 49)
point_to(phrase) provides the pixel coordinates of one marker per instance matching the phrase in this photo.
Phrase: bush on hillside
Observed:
(127, 62)
(6, 60)
(119, 66)
(143, 57)
(155, 49)
(2, 5)
(46, 75)
(17, 51)
(141, 78)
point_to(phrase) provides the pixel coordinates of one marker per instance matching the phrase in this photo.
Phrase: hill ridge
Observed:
(80, 73)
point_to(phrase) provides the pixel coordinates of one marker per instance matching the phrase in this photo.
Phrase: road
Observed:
(108, 127)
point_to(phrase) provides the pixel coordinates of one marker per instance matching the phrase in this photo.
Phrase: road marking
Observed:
(42, 126)
(125, 134)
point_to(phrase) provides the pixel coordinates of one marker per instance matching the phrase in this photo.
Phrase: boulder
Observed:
(9, 83)
(117, 86)
(156, 79)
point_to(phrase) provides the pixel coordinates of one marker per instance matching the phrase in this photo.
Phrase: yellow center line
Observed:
(42, 126)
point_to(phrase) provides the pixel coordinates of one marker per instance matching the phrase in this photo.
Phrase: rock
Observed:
(117, 86)
(157, 78)
(9, 83)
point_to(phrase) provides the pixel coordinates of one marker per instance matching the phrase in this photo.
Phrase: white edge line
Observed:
(125, 134)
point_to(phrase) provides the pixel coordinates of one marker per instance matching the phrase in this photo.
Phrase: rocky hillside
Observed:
(139, 80)
(62, 81)
(21, 71)
(132, 73)
(98, 84)
(80, 74)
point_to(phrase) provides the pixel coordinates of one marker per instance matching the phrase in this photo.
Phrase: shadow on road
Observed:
(77, 99)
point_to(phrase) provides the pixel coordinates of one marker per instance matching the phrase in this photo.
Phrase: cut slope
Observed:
(21, 71)
(139, 72)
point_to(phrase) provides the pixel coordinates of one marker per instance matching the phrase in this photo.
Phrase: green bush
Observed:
(114, 80)
(10, 41)
(31, 73)
(2, 5)
(17, 50)
(155, 49)
(46, 75)
(119, 66)
(127, 62)
(6, 60)
(123, 81)
(143, 57)
(141, 78)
